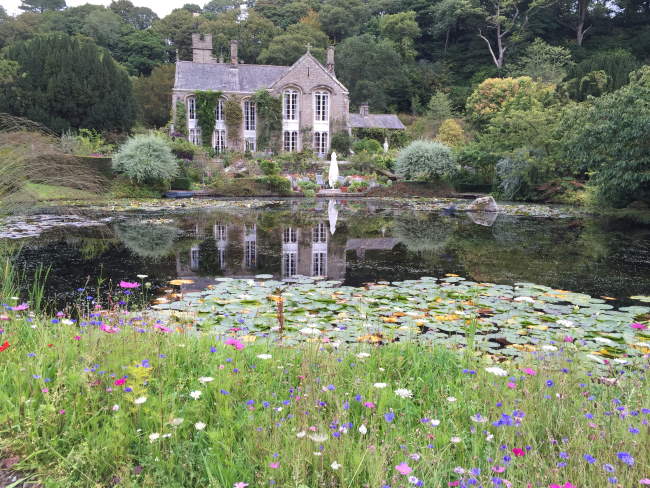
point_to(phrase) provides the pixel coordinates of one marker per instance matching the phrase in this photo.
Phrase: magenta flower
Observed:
(638, 326)
(127, 284)
(404, 469)
(162, 328)
(274, 465)
(120, 382)
(108, 329)
(235, 343)
(518, 452)
(19, 308)
(530, 371)
(369, 405)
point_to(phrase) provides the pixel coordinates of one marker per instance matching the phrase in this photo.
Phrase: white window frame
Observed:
(290, 140)
(321, 143)
(290, 235)
(191, 108)
(319, 263)
(218, 111)
(321, 106)
(319, 233)
(290, 107)
(219, 140)
(289, 264)
(250, 116)
(195, 136)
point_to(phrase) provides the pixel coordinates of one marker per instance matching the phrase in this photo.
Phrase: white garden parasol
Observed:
(334, 170)
(333, 214)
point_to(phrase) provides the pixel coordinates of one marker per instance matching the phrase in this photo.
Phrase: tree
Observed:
(104, 26)
(402, 29)
(254, 34)
(503, 21)
(343, 18)
(286, 48)
(141, 51)
(8, 71)
(139, 18)
(3, 15)
(611, 136)
(66, 83)
(283, 13)
(41, 6)
(543, 62)
(361, 67)
(426, 161)
(177, 28)
(497, 95)
(192, 7)
(573, 15)
(215, 7)
(447, 15)
(146, 158)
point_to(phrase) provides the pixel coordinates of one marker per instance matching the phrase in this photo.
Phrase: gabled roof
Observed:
(247, 78)
(375, 121)
(310, 56)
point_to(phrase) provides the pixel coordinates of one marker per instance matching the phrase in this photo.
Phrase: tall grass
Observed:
(69, 406)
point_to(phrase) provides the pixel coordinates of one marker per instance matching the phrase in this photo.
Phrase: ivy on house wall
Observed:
(206, 104)
(234, 115)
(269, 120)
(180, 123)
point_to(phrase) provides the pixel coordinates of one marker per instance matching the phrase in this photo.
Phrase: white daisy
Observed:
(335, 465)
(176, 422)
(154, 437)
(205, 379)
(264, 356)
(435, 422)
(196, 394)
(451, 399)
(318, 437)
(363, 430)
(404, 393)
(362, 355)
(380, 385)
(140, 400)
(301, 434)
(199, 426)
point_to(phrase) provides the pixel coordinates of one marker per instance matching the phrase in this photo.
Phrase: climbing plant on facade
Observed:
(269, 120)
(234, 115)
(180, 125)
(206, 104)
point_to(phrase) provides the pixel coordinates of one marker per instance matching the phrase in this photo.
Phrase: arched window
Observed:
(290, 105)
(321, 106)
(191, 108)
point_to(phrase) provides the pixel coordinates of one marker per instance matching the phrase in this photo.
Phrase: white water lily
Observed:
(309, 331)
(335, 465)
(205, 379)
(404, 393)
(565, 323)
(154, 437)
(380, 385)
(140, 400)
(548, 347)
(495, 370)
(199, 426)
(363, 429)
(264, 356)
(196, 394)
(524, 299)
(604, 340)
(176, 422)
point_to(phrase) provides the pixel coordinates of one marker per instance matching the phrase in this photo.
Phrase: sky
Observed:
(161, 7)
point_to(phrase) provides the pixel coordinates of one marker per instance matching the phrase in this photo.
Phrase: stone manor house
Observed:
(315, 104)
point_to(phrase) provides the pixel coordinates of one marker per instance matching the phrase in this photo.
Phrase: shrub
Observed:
(269, 168)
(182, 148)
(146, 158)
(181, 183)
(309, 193)
(426, 161)
(276, 184)
(125, 188)
(307, 186)
(358, 186)
(341, 143)
(451, 133)
(368, 145)
(440, 107)
(146, 238)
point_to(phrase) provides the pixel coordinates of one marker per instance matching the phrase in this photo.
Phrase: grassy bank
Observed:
(116, 400)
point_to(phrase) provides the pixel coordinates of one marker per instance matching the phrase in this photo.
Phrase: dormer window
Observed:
(290, 105)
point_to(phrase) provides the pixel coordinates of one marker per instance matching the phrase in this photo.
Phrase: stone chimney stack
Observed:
(234, 52)
(330, 59)
(364, 109)
(202, 48)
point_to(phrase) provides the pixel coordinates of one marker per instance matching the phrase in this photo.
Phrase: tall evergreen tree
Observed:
(66, 83)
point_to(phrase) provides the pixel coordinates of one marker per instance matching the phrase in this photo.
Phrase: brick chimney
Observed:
(234, 52)
(202, 48)
(330, 59)
(364, 109)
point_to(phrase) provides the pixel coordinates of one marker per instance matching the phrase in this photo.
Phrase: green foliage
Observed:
(141, 51)
(341, 143)
(286, 48)
(139, 18)
(426, 161)
(601, 73)
(276, 184)
(69, 83)
(8, 71)
(358, 186)
(403, 29)
(233, 115)
(496, 95)
(86, 142)
(543, 62)
(182, 148)
(269, 120)
(146, 158)
(440, 107)
(180, 124)
(269, 168)
(122, 187)
(206, 104)
(153, 96)
(342, 18)
(41, 6)
(181, 183)
(451, 133)
(609, 135)
(147, 239)
(519, 175)
(177, 29)
(368, 145)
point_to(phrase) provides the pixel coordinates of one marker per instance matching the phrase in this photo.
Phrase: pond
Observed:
(354, 242)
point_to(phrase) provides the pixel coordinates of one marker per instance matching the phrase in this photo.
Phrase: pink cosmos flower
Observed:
(235, 343)
(530, 371)
(120, 382)
(240, 484)
(512, 386)
(369, 405)
(274, 465)
(77, 338)
(45, 390)
(19, 308)
(644, 481)
(4, 317)
(404, 469)
(518, 452)
(108, 329)
(498, 469)
(162, 328)
(127, 284)
(638, 326)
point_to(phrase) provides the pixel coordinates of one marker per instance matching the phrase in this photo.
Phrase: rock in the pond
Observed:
(484, 204)
(485, 219)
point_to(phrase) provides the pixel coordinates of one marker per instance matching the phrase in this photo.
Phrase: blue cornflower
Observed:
(589, 458)
(549, 383)
(633, 430)
(626, 457)
(331, 387)
(609, 468)
(213, 349)
(390, 416)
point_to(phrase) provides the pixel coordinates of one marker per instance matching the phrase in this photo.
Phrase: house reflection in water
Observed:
(242, 251)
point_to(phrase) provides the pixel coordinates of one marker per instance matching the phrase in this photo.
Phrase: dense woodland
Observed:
(535, 97)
